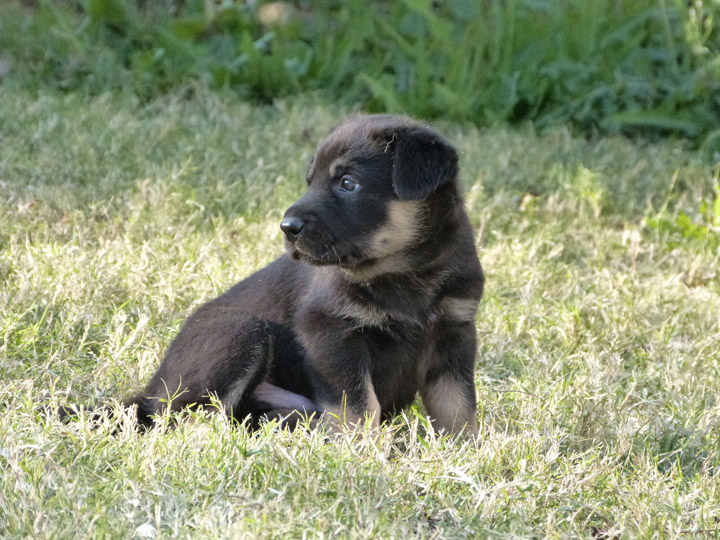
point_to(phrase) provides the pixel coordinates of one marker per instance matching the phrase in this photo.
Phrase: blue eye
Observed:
(348, 184)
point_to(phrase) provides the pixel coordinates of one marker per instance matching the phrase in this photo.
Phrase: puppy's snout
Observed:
(292, 227)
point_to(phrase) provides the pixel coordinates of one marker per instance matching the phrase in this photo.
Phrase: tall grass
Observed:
(645, 65)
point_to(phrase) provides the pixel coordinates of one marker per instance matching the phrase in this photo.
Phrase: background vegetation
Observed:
(147, 154)
(641, 65)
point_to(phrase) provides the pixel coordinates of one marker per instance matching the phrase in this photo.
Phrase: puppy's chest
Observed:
(399, 319)
(397, 366)
(405, 315)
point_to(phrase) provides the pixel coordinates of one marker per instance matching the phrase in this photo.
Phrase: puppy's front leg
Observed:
(353, 407)
(339, 364)
(448, 392)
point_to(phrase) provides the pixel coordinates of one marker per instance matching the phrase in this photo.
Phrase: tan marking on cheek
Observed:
(459, 309)
(401, 229)
(447, 407)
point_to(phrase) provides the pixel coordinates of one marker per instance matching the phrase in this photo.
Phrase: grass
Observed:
(599, 368)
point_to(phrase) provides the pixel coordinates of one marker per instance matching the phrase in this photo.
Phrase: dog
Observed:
(373, 302)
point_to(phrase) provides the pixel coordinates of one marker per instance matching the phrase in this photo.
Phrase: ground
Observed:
(598, 373)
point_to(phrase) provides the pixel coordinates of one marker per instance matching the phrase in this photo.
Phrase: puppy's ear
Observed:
(422, 161)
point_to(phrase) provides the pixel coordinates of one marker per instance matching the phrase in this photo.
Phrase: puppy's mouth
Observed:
(328, 255)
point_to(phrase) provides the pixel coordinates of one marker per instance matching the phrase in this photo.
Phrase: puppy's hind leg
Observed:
(248, 374)
(219, 353)
(270, 402)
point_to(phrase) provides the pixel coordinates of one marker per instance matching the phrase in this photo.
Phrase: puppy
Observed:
(374, 301)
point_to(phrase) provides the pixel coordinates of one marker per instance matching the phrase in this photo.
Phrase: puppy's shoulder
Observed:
(463, 281)
(272, 291)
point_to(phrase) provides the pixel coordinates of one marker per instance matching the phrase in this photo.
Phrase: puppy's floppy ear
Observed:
(422, 161)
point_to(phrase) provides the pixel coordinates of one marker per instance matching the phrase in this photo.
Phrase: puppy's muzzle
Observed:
(292, 227)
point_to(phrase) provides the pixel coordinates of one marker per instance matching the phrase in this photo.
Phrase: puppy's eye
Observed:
(347, 183)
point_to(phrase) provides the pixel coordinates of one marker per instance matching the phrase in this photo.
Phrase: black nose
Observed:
(292, 227)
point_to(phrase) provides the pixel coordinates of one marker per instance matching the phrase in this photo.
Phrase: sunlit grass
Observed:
(598, 375)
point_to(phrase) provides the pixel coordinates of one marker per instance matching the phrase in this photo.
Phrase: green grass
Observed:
(599, 368)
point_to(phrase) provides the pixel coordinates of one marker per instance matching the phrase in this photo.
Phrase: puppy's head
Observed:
(369, 185)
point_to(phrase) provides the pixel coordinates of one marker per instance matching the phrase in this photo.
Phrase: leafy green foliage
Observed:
(642, 66)
(701, 226)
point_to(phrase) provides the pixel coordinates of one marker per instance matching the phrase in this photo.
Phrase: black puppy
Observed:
(375, 300)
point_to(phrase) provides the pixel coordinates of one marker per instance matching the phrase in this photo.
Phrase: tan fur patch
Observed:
(401, 228)
(391, 264)
(363, 315)
(447, 407)
(239, 386)
(235, 392)
(459, 309)
(342, 415)
(373, 405)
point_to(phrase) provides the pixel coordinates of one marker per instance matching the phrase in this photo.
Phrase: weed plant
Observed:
(642, 66)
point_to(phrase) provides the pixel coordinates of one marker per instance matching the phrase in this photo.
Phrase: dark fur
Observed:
(374, 301)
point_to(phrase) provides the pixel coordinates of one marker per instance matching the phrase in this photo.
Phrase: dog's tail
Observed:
(137, 408)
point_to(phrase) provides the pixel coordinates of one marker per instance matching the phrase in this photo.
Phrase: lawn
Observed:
(598, 374)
